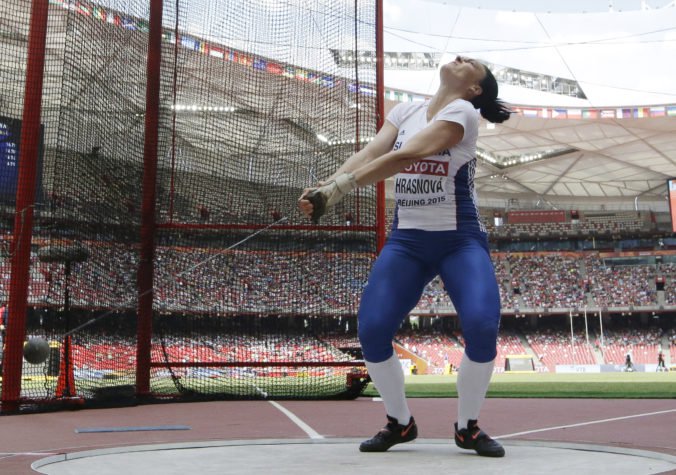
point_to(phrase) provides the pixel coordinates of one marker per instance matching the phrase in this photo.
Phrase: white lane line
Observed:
(296, 420)
(601, 421)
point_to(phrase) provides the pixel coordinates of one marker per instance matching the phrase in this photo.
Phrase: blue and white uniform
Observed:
(436, 231)
(437, 193)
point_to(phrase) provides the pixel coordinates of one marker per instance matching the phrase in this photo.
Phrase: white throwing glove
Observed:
(334, 190)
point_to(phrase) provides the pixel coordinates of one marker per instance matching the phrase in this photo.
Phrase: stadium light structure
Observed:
(362, 140)
(412, 60)
(196, 108)
(537, 81)
(506, 161)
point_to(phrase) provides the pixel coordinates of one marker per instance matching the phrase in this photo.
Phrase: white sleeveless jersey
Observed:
(437, 193)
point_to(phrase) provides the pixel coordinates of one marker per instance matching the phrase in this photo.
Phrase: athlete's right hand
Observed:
(305, 205)
(314, 202)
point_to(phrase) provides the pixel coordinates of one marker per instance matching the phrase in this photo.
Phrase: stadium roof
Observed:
(601, 158)
(611, 145)
(615, 142)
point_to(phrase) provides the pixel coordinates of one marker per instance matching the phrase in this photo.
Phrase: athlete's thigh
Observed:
(394, 287)
(469, 277)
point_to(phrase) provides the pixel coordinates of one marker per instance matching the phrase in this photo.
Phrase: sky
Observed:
(618, 58)
(558, 6)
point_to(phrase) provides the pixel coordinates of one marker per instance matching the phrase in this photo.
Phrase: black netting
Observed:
(258, 100)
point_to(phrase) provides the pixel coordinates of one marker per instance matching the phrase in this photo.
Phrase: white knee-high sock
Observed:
(473, 380)
(388, 378)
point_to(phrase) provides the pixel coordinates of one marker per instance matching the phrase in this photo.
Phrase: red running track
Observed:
(648, 424)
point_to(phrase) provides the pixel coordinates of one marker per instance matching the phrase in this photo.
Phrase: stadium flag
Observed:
(627, 113)
(100, 13)
(315, 78)
(274, 68)
(84, 10)
(530, 112)
(671, 111)
(590, 114)
(301, 74)
(642, 112)
(260, 64)
(328, 81)
(607, 114)
(657, 111)
(245, 59)
(169, 37)
(129, 24)
(574, 113)
(544, 113)
(559, 114)
(289, 72)
(190, 43)
(216, 52)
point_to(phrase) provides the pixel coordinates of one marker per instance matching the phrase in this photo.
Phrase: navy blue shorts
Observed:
(410, 259)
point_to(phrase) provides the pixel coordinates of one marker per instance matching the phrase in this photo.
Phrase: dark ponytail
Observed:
(491, 108)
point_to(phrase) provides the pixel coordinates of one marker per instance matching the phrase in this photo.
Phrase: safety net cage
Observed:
(149, 178)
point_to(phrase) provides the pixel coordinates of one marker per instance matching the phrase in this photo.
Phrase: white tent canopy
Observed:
(620, 60)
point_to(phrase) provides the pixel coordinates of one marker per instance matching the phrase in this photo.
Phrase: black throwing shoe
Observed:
(393, 433)
(474, 438)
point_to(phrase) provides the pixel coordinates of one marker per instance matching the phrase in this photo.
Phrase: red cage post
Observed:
(380, 88)
(148, 226)
(25, 201)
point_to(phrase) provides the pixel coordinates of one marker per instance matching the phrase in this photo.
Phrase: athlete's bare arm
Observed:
(432, 140)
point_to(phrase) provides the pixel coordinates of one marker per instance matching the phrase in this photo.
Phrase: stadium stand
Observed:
(226, 281)
(553, 347)
(538, 284)
(642, 344)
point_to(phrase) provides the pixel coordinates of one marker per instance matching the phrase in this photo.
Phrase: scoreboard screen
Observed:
(10, 137)
(671, 188)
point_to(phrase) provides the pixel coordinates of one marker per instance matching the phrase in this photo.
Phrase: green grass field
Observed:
(551, 385)
(518, 385)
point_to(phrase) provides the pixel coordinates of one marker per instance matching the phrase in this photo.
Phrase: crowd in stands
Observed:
(642, 345)
(533, 276)
(618, 286)
(204, 281)
(212, 281)
(441, 350)
(342, 340)
(109, 353)
(627, 222)
(548, 347)
(555, 347)
(670, 292)
(668, 268)
(553, 281)
(503, 275)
